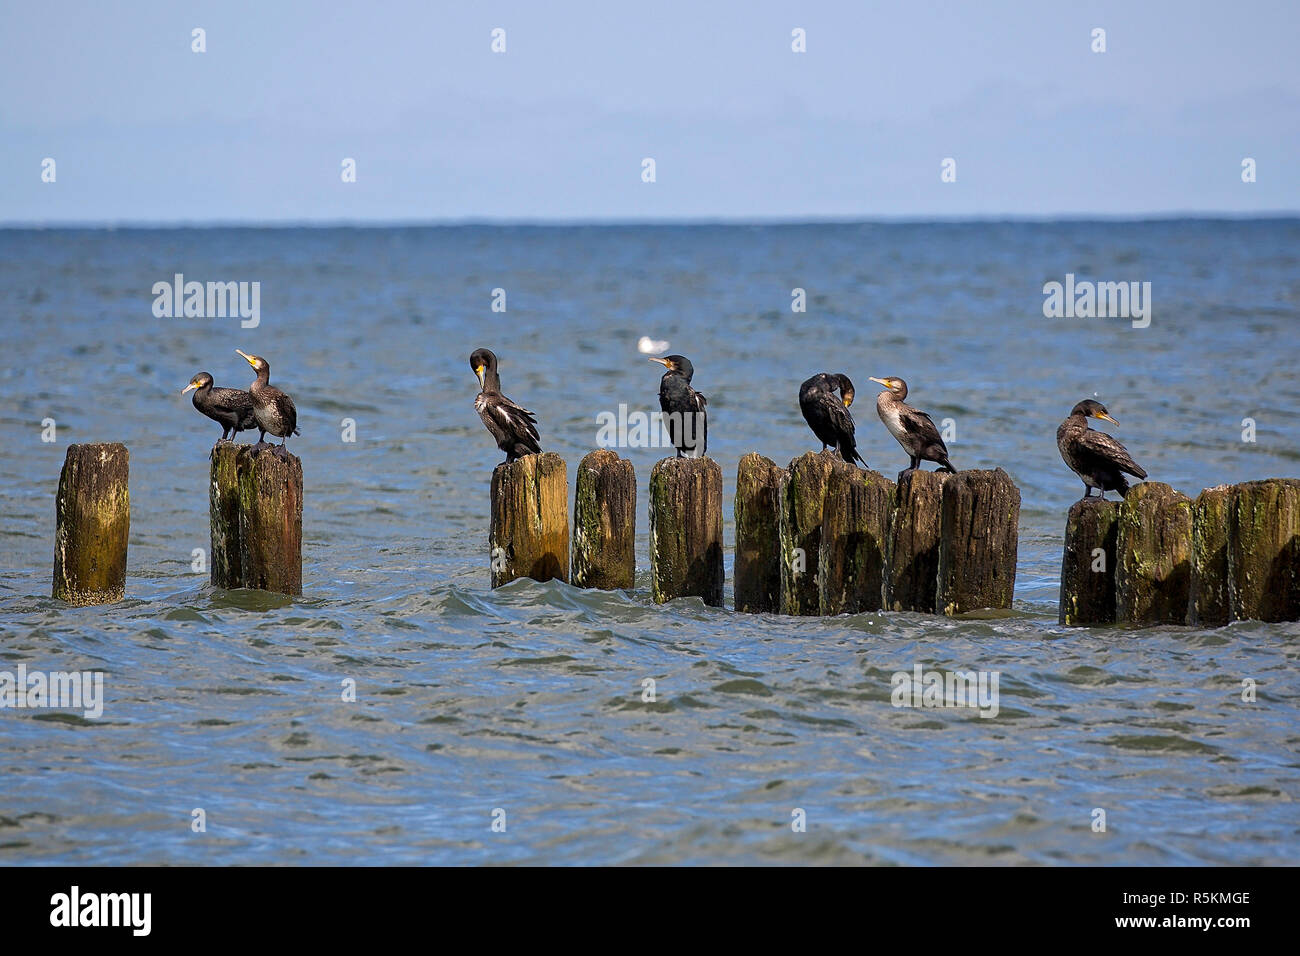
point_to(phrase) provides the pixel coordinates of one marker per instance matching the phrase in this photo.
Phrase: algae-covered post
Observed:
(604, 522)
(978, 536)
(686, 530)
(758, 541)
(1153, 556)
(912, 559)
(529, 533)
(1264, 551)
(1088, 563)
(803, 497)
(854, 537)
(255, 506)
(92, 524)
(1207, 603)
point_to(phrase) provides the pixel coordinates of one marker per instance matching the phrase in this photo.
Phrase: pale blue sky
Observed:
(143, 130)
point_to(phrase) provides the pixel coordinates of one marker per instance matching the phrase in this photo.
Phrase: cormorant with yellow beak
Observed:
(913, 428)
(273, 410)
(1094, 456)
(829, 416)
(513, 426)
(231, 408)
(685, 410)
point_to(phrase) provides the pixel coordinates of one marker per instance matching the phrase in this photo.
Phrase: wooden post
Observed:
(255, 510)
(978, 536)
(1153, 550)
(1088, 563)
(1264, 551)
(803, 497)
(686, 530)
(912, 558)
(1207, 603)
(92, 523)
(604, 522)
(854, 537)
(529, 534)
(758, 539)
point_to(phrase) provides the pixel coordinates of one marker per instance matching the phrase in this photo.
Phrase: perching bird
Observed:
(829, 416)
(914, 429)
(273, 410)
(685, 410)
(513, 426)
(1094, 456)
(231, 408)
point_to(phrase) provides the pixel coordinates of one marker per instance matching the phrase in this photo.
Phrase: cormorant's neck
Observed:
(491, 382)
(263, 376)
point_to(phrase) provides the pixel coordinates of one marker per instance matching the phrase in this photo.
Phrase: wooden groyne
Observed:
(854, 539)
(255, 508)
(92, 524)
(979, 537)
(686, 530)
(1232, 554)
(912, 558)
(757, 509)
(604, 522)
(529, 532)
(802, 499)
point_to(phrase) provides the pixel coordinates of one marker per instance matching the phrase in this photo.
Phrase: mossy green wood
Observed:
(803, 498)
(604, 522)
(1207, 603)
(854, 538)
(1264, 551)
(529, 532)
(1088, 563)
(255, 516)
(1153, 547)
(92, 524)
(912, 558)
(757, 510)
(979, 534)
(686, 530)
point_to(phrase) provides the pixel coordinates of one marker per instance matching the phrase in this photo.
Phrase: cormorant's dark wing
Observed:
(237, 401)
(922, 425)
(838, 414)
(1100, 446)
(512, 421)
(288, 412)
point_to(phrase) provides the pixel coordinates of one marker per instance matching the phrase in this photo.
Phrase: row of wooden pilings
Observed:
(255, 505)
(819, 537)
(1159, 557)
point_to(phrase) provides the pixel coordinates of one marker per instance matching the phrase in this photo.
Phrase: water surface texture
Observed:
(529, 699)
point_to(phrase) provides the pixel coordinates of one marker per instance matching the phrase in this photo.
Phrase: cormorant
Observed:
(274, 410)
(513, 426)
(914, 429)
(685, 410)
(1094, 456)
(829, 416)
(231, 408)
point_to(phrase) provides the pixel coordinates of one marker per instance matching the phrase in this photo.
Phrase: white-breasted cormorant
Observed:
(913, 428)
(231, 408)
(829, 416)
(513, 426)
(273, 410)
(1094, 456)
(685, 410)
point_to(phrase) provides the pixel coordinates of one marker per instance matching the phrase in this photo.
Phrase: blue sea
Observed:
(522, 707)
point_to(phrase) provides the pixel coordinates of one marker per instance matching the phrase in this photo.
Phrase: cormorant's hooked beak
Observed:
(881, 381)
(478, 370)
(188, 387)
(847, 399)
(247, 358)
(1107, 417)
(663, 361)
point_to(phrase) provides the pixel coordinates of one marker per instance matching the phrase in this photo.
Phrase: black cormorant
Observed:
(231, 408)
(274, 410)
(513, 426)
(1094, 456)
(685, 410)
(914, 429)
(829, 416)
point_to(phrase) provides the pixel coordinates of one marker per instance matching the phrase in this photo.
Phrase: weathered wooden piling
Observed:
(758, 534)
(92, 523)
(604, 522)
(854, 539)
(1207, 602)
(1153, 547)
(803, 498)
(529, 533)
(686, 530)
(912, 558)
(1088, 563)
(1264, 551)
(255, 509)
(979, 531)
